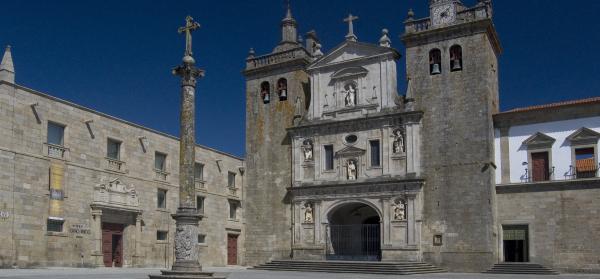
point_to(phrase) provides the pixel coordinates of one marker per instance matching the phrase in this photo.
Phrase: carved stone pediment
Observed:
(584, 136)
(116, 194)
(352, 51)
(350, 151)
(539, 140)
(349, 73)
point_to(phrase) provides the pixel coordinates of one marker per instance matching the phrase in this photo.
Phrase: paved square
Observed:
(243, 273)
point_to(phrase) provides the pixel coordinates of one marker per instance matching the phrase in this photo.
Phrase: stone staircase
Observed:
(521, 268)
(388, 268)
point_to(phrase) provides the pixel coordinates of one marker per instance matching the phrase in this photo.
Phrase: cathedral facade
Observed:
(348, 168)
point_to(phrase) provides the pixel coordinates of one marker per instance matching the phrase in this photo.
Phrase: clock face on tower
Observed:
(443, 14)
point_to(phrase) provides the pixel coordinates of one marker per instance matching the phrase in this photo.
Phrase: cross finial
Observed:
(351, 36)
(190, 25)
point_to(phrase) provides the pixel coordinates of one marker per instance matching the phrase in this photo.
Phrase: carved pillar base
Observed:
(186, 240)
(186, 265)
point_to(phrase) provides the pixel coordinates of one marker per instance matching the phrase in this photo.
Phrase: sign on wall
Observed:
(80, 229)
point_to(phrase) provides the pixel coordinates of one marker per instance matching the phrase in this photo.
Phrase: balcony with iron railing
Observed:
(587, 170)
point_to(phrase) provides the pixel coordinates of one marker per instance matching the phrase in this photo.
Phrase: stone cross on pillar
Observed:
(351, 36)
(186, 264)
(190, 25)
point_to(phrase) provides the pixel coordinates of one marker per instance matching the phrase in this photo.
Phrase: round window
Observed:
(351, 138)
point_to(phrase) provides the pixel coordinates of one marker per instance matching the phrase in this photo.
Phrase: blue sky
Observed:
(116, 56)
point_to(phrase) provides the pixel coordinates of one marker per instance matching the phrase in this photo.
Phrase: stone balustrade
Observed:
(160, 175)
(115, 165)
(271, 59)
(56, 151)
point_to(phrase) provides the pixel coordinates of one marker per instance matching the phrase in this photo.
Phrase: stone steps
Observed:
(397, 268)
(521, 268)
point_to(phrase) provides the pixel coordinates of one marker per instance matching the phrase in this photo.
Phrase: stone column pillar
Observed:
(138, 241)
(186, 263)
(97, 236)
(410, 204)
(385, 208)
(187, 217)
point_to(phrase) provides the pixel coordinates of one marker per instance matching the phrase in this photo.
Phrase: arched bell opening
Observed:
(354, 233)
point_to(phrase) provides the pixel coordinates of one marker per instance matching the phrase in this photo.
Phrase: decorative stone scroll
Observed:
(116, 193)
(399, 210)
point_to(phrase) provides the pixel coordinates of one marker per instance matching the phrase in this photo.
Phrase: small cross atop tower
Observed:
(351, 36)
(190, 25)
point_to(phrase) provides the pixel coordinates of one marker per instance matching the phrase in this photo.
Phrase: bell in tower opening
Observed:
(282, 89)
(265, 92)
(435, 62)
(456, 58)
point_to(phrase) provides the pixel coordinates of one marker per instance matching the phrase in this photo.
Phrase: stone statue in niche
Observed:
(298, 106)
(399, 145)
(351, 169)
(308, 213)
(399, 208)
(350, 99)
(307, 149)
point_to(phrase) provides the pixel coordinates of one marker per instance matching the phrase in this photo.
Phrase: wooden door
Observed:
(540, 170)
(107, 248)
(117, 251)
(112, 244)
(232, 249)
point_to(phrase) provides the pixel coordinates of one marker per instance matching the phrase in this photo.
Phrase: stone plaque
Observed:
(80, 229)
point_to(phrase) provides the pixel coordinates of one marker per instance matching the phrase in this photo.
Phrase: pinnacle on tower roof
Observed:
(7, 68)
(289, 31)
(385, 40)
(288, 14)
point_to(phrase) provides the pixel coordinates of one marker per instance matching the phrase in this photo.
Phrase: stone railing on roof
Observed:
(467, 15)
(276, 58)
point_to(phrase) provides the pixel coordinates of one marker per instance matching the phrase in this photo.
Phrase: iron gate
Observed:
(354, 242)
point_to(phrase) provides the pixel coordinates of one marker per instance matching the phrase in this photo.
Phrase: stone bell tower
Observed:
(452, 68)
(276, 97)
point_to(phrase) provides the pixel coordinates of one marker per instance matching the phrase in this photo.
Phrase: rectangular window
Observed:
(160, 161)
(56, 134)
(328, 157)
(200, 204)
(162, 235)
(231, 179)
(54, 225)
(199, 171)
(201, 239)
(232, 210)
(375, 151)
(161, 198)
(585, 162)
(113, 149)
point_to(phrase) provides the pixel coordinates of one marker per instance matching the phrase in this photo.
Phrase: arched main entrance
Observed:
(354, 233)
